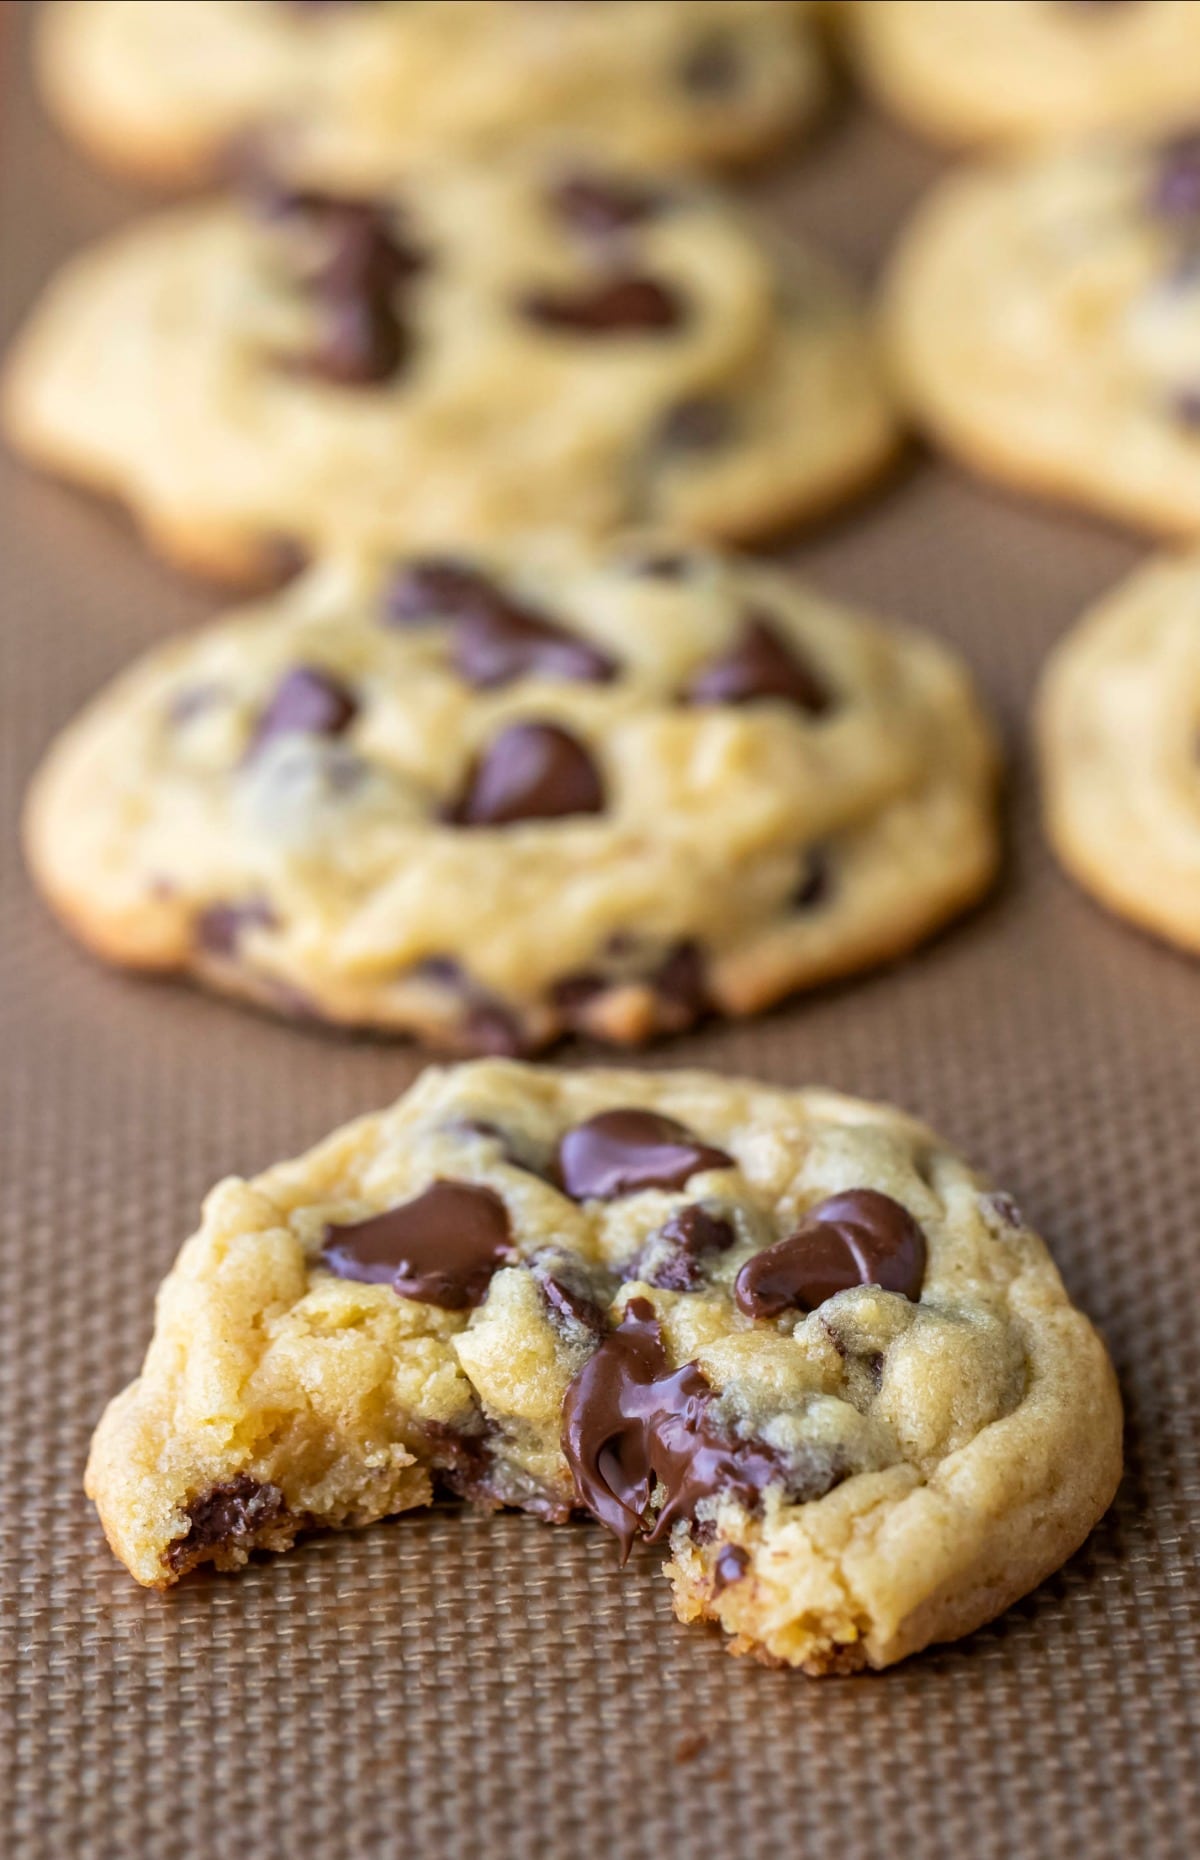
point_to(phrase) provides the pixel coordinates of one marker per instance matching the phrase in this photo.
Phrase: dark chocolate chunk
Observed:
(858, 1238)
(600, 206)
(360, 342)
(496, 638)
(674, 1258)
(435, 588)
(532, 771)
(712, 68)
(760, 665)
(490, 1029)
(1006, 1210)
(219, 928)
(681, 984)
(1185, 405)
(695, 426)
(730, 1566)
(662, 565)
(619, 1152)
(364, 260)
(228, 1513)
(306, 700)
(441, 1248)
(575, 1291)
(813, 888)
(487, 1025)
(497, 644)
(632, 1426)
(616, 307)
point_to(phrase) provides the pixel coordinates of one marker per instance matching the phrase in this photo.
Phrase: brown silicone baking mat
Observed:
(452, 1685)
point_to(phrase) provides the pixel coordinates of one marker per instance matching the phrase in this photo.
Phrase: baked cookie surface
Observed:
(1023, 71)
(518, 346)
(1043, 320)
(487, 802)
(787, 1334)
(354, 94)
(1119, 724)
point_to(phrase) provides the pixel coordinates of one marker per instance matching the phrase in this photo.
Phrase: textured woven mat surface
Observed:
(449, 1685)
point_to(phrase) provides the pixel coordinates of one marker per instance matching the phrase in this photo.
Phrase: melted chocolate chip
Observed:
(615, 307)
(731, 1565)
(219, 928)
(600, 206)
(441, 1248)
(760, 665)
(695, 426)
(674, 1258)
(632, 1425)
(857, 1238)
(532, 771)
(306, 701)
(620, 1152)
(1185, 405)
(227, 1513)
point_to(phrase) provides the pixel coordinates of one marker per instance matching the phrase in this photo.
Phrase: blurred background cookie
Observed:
(490, 802)
(358, 91)
(1119, 723)
(1013, 71)
(487, 351)
(1043, 319)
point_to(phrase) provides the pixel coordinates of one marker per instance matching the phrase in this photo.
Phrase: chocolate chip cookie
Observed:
(488, 801)
(1044, 320)
(787, 1335)
(492, 352)
(1119, 722)
(356, 92)
(973, 71)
